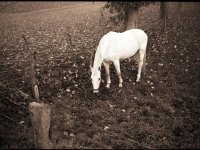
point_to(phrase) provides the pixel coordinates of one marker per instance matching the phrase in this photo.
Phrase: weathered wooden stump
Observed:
(40, 118)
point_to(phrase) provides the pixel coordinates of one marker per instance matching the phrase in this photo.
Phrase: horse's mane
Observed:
(92, 58)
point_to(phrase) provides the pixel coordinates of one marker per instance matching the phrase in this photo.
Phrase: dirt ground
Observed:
(162, 111)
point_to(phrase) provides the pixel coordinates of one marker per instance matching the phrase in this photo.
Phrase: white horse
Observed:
(115, 46)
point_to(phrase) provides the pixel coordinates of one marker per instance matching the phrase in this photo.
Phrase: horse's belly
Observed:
(122, 54)
(125, 52)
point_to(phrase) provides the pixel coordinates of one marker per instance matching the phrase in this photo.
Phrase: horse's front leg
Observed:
(117, 67)
(107, 66)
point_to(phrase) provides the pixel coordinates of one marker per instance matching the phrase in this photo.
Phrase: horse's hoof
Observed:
(137, 81)
(95, 91)
(107, 86)
(120, 85)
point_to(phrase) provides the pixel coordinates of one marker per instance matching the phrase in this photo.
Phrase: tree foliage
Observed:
(121, 9)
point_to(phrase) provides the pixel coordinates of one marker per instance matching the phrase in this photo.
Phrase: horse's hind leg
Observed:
(117, 67)
(141, 62)
(144, 63)
(107, 66)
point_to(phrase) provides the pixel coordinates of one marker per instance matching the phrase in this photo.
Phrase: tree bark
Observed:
(164, 14)
(131, 20)
(40, 118)
(179, 11)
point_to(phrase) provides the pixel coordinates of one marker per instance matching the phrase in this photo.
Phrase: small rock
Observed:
(164, 138)
(106, 128)
(152, 94)
(175, 46)
(111, 106)
(21, 122)
(135, 112)
(65, 133)
(72, 135)
(68, 90)
(123, 110)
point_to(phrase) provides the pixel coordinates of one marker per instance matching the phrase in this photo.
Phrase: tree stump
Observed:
(40, 118)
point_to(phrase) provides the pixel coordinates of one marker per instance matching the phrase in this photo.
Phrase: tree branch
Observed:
(8, 118)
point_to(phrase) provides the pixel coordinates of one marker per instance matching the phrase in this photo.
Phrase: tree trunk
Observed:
(164, 14)
(131, 21)
(40, 118)
(179, 11)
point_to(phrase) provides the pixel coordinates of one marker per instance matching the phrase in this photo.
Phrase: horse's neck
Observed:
(97, 60)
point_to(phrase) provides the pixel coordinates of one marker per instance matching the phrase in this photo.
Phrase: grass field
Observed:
(162, 111)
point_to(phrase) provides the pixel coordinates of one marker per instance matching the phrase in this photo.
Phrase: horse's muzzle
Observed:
(95, 90)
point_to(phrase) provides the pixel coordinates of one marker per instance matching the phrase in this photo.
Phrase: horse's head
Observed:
(96, 79)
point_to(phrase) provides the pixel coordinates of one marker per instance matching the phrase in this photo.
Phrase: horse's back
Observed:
(137, 32)
(134, 34)
(115, 45)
